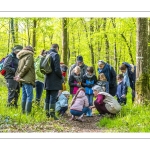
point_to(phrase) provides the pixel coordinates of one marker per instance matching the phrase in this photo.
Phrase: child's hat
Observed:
(65, 93)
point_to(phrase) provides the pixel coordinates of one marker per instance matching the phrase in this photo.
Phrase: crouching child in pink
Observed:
(79, 105)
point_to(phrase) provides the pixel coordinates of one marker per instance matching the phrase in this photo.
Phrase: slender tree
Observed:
(12, 30)
(34, 34)
(64, 41)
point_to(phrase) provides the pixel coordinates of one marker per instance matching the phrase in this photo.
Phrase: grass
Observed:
(131, 118)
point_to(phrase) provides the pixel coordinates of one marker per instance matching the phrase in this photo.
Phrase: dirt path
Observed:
(62, 125)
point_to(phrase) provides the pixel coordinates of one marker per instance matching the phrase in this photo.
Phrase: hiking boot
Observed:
(52, 115)
(28, 107)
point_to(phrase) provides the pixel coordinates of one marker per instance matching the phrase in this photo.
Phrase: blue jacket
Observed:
(62, 102)
(88, 83)
(121, 90)
(104, 84)
(131, 74)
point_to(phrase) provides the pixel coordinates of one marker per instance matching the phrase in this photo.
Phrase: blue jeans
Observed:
(90, 100)
(27, 92)
(79, 113)
(39, 89)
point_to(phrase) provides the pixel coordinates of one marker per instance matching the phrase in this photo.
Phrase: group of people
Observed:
(82, 80)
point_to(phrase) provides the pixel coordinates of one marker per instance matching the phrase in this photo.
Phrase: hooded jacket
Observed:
(80, 101)
(26, 69)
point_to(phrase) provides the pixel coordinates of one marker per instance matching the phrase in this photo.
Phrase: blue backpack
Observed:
(3, 71)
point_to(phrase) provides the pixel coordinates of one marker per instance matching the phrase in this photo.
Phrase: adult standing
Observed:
(25, 74)
(39, 83)
(11, 65)
(129, 73)
(80, 63)
(53, 82)
(110, 74)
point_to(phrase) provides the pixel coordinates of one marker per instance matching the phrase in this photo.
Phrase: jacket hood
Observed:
(52, 50)
(23, 53)
(129, 66)
(81, 94)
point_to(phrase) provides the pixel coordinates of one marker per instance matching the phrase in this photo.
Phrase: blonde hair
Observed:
(103, 76)
(77, 69)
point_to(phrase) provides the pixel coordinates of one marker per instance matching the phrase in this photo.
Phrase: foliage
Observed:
(132, 118)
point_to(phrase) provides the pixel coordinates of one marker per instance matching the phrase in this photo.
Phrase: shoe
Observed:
(79, 119)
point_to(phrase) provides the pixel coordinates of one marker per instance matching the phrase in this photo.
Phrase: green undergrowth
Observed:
(131, 118)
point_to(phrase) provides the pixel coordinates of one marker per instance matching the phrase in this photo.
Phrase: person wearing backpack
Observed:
(39, 82)
(53, 82)
(110, 74)
(105, 103)
(10, 66)
(80, 63)
(25, 74)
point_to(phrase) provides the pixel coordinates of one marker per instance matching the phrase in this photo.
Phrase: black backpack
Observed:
(45, 64)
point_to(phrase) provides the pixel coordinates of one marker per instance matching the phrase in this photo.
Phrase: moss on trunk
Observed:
(142, 87)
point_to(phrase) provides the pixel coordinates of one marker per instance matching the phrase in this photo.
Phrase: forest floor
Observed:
(64, 124)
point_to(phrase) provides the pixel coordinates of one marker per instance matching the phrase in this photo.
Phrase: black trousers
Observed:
(13, 91)
(51, 96)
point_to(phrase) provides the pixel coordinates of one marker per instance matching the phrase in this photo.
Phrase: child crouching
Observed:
(62, 103)
(79, 105)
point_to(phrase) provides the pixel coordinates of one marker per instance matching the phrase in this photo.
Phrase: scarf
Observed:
(106, 71)
(77, 77)
(89, 76)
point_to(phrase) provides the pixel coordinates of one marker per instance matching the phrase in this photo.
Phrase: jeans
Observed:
(27, 92)
(90, 100)
(13, 91)
(63, 110)
(39, 86)
(79, 113)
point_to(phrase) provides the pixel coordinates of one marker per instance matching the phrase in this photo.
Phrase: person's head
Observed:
(96, 89)
(102, 77)
(101, 64)
(66, 94)
(55, 46)
(17, 48)
(90, 70)
(79, 60)
(43, 52)
(64, 69)
(120, 77)
(28, 48)
(123, 68)
(77, 70)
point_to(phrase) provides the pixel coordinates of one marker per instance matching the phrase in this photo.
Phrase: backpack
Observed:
(3, 71)
(45, 64)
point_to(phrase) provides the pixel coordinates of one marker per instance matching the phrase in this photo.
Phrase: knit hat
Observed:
(17, 48)
(98, 88)
(29, 48)
(79, 58)
(65, 93)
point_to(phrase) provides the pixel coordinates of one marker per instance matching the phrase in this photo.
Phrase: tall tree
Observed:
(34, 34)
(12, 30)
(64, 41)
(106, 40)
(142, 62)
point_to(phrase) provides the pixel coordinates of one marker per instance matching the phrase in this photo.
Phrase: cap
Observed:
(17, 48)
(79, 58)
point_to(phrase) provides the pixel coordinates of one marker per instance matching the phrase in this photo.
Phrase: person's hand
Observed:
(91, 107)
(123, 96)
(17, 78)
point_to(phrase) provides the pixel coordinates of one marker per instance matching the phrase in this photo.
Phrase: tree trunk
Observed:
(106, 40)
(28, 31)
(12, 31)
(64, 41)
(16, 29)
(142, 62)
(34, 34)
(115, 49)
(8, 45)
